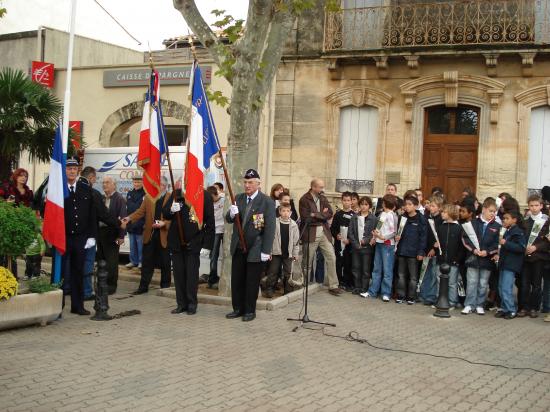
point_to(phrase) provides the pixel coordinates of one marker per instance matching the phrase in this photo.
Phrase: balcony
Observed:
(441, 24)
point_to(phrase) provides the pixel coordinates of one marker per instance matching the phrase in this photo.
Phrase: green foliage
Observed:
(42, 284)
(3, 11)
(28, 116)
(217, 97)
(18, 227)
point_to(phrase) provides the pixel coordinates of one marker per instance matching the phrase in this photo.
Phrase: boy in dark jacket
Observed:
(341, 220)
(362, 245)
(410, 250)
(134, 198)
(510, 262)
(450, 248)
(538, 246)
(479, 261)
(429, 285)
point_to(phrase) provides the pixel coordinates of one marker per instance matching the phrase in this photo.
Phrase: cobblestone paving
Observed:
(160, 361)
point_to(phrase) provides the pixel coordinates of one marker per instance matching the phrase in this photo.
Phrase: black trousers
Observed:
(408, 277)
(361, 260)
(33, 266)
(344, 266)
(186, 278)
(154, 255)
(531, 285)
(107, 249)
(76, 254)
(245, 282)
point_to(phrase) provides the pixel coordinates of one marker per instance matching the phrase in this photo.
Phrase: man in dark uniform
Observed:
(186, 257)
(80, 232)
(257, 212)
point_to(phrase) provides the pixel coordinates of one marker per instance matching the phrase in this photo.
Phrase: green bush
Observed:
(17, 228)
(41, 285)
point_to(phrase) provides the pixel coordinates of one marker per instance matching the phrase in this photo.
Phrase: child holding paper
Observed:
(429, 283)
(342, 247)
(510, 262)
(411, 249)
(362, 244)
(481, 240)
(384, 252)
(451, 249)
(537, 255)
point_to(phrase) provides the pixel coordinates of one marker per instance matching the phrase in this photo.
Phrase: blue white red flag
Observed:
(151, 139)
(53, 228)
(203, 144)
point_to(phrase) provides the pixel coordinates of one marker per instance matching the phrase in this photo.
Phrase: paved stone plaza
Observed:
(160, 361)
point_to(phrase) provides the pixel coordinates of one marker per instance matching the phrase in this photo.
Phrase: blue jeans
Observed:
(506, 291)
(136, 247)
(382, 274)
(453, 284)
(430, 284)
(89, 261)
(476, 289)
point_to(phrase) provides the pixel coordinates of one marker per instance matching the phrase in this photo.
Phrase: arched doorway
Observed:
(451, 140)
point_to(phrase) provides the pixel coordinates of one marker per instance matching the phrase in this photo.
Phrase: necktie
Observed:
(72, 189)
(484, 228)
(248, 199)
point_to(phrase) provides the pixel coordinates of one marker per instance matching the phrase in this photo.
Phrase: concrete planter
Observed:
(30, 309)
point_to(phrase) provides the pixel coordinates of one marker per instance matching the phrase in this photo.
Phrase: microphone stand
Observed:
(305, 319)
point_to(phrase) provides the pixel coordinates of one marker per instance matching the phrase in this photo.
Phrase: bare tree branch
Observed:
(202, 30)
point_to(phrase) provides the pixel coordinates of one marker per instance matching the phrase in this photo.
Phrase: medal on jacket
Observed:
(258, 220)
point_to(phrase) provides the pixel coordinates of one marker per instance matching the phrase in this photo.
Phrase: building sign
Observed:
(76, 126)
(42, 73)
(140, 77)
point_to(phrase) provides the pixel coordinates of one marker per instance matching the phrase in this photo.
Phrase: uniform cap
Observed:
(73, 161)
(251, 174)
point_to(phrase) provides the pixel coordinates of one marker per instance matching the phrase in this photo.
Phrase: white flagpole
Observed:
(67, 100)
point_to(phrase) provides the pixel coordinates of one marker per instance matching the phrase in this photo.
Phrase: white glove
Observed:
(264, 257)
(176, 207)
(205, 252)
(233, 211)
(90, 242)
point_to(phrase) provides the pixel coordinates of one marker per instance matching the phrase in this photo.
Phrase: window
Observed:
(460, 120)
(538, 164)
(357, 149)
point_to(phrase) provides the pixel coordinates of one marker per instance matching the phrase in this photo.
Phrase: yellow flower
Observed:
(8, 284)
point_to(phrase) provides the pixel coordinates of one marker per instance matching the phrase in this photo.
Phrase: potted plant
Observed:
(43, 302)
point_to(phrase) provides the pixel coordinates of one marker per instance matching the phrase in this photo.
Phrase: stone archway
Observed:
(450, 89)
(134, 110)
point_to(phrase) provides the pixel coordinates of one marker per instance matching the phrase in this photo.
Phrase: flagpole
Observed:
(67, 100)
(167, 150)
(225, 172)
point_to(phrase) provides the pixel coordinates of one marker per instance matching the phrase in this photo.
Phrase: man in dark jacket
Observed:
(315, 211)
(111, 238)
(257, 215)
(186, 256)
(134, 199)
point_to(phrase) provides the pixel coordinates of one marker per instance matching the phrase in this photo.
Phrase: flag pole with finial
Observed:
(224, 166)
(167, 152)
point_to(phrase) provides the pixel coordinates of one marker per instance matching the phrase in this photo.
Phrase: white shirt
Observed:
(252, 196)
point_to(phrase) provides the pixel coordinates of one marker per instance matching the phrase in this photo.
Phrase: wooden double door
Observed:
(451, 140)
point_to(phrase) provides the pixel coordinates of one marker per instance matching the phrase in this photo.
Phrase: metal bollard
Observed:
(101, 305)
(442, 305)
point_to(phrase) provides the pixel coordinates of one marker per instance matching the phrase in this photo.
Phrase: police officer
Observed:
(257, 212)
(80, 233)
(186, 257)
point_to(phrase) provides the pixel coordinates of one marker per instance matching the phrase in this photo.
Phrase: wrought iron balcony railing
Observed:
(451, 23)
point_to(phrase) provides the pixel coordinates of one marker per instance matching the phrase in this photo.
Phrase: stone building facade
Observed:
(442, 93)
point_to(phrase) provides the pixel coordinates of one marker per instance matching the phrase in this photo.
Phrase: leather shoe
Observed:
(179, 309)
(233, 315)
(335, 291)
(91, 297)
(191, 310)
(247, 317)
(82, 312)
(139, 292)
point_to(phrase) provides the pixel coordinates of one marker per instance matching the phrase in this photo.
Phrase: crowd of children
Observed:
(491, 248)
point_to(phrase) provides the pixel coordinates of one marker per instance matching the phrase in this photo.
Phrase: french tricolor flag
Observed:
(53, 228)
(203, 144)
(151, 139)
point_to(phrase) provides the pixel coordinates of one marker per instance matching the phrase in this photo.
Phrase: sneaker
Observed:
(500, 314)
(387, 299)
(547, 318)
(139, 266)
(467, 310)
(129, 265)
(399, 300)
(410, 301)
(203, 278)
(480, 310)
(366, 295)
(452, 308)
(510, 315)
